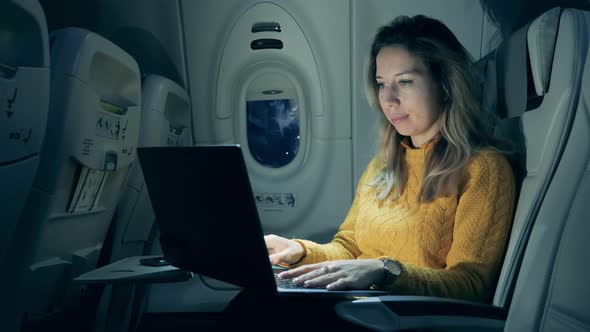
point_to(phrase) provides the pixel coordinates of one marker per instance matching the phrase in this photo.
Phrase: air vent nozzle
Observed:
(266, 43)
(266, 27)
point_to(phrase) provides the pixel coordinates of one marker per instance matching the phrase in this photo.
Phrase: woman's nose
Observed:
(389, 97)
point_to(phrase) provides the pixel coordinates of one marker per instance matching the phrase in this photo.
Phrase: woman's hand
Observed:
(338, 275)
(281, 250)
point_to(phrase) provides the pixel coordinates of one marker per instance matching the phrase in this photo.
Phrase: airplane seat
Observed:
(91, 141)
(24, 103)
(542, 81)
(523, 69)
(166, 121)
(551, 291)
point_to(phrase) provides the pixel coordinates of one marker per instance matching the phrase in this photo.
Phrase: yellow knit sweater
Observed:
(451, 247)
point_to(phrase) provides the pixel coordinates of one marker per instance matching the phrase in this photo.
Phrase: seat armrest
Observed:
(394, 313)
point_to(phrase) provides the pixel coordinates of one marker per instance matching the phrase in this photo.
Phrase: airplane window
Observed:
(273, 131)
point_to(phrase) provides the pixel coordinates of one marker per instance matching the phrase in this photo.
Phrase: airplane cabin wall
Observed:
(321, 177)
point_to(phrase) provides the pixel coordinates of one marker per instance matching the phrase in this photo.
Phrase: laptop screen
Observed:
(206, 214)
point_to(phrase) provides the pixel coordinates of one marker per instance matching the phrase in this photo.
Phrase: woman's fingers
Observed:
(321, 281)
(272, 242)
(336, 275)
(276, 259)
(277, 247)
(314, 275)
(281, 250)
(339, 284)
(296, 272)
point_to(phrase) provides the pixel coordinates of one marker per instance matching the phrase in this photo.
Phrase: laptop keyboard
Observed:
(286, 283)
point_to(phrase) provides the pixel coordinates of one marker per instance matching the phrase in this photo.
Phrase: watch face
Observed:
(392, 267)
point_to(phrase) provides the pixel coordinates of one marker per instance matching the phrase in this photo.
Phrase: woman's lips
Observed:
(398, 118)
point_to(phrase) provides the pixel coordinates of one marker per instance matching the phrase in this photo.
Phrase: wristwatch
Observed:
(392, 269)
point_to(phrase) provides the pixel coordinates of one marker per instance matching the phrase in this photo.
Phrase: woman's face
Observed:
(408, 95)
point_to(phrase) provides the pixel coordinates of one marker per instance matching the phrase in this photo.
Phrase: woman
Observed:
(432, 210)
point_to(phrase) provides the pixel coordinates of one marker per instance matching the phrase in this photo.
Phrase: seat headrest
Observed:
(512, 75)
(541, 40)
(523, 64)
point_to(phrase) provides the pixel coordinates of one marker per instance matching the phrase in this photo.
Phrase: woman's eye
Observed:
(380, 86)
(405, 82)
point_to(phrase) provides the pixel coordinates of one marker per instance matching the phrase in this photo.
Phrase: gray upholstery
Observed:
(542, 127)
(541, 37)
(552, 292)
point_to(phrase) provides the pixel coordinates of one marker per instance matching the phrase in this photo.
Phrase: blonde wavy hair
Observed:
(463, 133)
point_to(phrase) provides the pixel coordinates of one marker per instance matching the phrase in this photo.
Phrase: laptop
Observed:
(207, 217)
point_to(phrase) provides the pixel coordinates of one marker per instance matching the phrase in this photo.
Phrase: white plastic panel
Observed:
(322, 157)
(239, 71)
(91, 139)
(24, 97)
(24, 104)
(24, 101)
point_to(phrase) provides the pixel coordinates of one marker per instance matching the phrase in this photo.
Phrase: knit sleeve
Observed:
(343, 245)
(482, 222)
